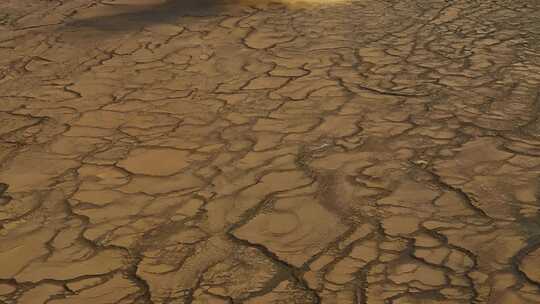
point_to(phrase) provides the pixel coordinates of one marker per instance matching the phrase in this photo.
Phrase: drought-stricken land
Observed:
(254, 152)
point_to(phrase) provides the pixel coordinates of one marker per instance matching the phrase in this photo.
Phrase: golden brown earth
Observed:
(253, 152)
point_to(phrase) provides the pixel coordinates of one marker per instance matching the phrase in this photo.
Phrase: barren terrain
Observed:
(251, 152)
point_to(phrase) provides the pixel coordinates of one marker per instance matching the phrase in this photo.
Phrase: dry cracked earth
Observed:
(364, 151)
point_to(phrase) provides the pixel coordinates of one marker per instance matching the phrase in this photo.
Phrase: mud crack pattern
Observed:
(269, 152)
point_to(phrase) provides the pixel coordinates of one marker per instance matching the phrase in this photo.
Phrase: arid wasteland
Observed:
(281, 152)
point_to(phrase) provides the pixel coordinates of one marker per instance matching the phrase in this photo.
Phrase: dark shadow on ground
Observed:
(134, 17)
(4, 199)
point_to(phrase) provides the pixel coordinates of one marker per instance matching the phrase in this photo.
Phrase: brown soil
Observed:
(253, 152)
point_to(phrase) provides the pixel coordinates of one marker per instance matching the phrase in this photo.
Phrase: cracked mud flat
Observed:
(254, 152)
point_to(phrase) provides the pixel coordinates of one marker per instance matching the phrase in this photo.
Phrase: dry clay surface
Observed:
(362, 151)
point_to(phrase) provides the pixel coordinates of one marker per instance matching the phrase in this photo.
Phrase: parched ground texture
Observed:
(365, 151)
